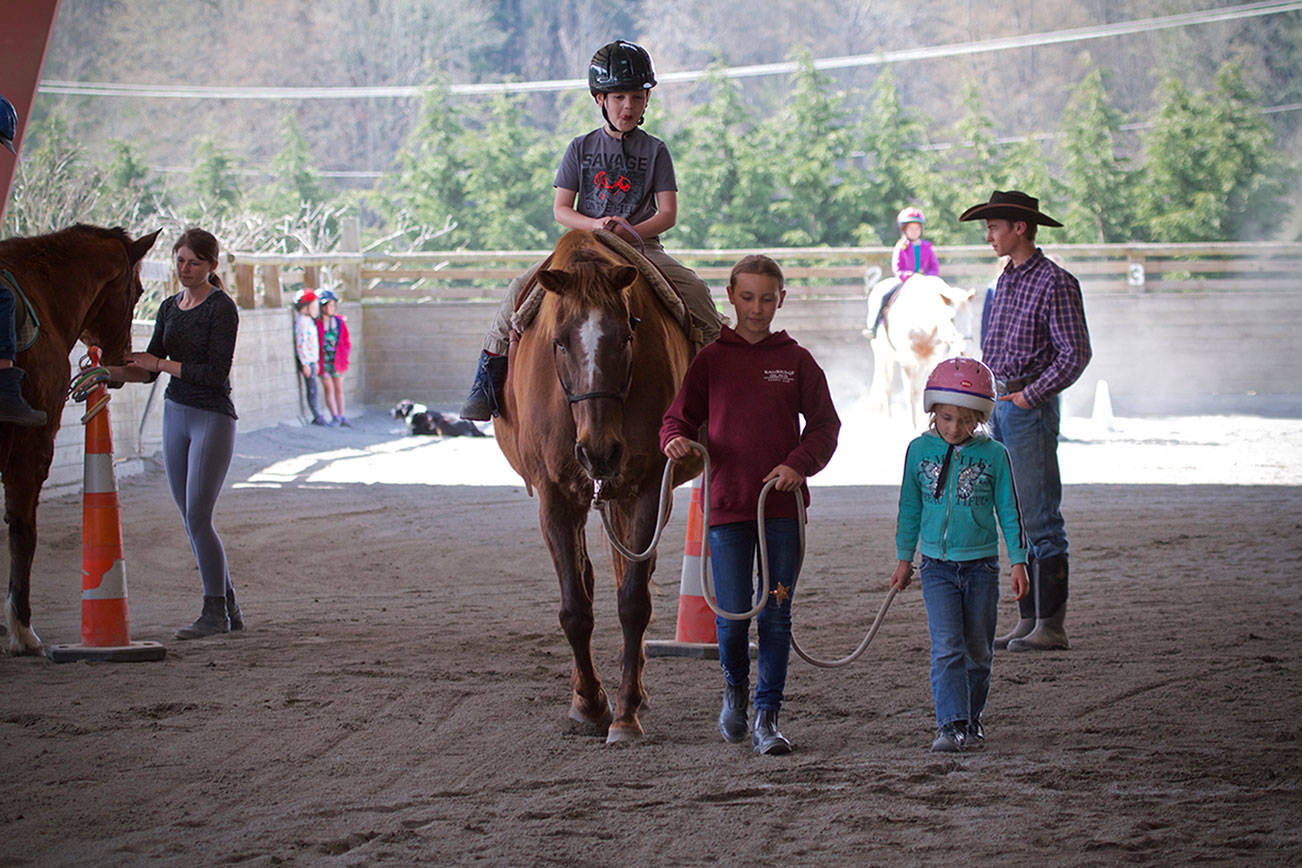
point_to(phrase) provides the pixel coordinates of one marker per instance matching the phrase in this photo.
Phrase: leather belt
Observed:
(1008, 387)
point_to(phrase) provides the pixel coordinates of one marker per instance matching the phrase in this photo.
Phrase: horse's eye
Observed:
(633, 322)
(556, 344)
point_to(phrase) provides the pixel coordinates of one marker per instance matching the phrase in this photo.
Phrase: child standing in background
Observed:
(332, 330)
(956, 481)
(307, 347)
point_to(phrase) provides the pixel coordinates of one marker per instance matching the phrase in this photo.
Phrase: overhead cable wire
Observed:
(1031, 40)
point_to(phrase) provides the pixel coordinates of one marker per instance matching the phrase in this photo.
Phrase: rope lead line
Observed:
(707, 583)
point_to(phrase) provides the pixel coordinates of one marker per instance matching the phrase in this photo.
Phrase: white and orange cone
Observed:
(105, 633)
(695, 636)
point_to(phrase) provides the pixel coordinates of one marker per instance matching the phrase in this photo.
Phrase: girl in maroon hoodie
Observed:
(750, 387)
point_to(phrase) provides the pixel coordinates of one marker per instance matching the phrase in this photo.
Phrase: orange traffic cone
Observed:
(695, 636)
(104, 631)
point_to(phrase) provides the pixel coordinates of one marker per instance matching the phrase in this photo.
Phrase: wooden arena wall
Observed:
(1190, 352)
(1159, 352)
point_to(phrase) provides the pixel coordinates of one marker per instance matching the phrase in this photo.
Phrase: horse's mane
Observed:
(585, 262)
(60, 244)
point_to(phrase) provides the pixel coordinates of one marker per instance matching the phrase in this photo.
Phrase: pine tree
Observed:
(429, 187)
(296, 183)
(214, 184)
(1097, 185)
(896, 165)
(821, 192)
(1211, 173)
(508, 187)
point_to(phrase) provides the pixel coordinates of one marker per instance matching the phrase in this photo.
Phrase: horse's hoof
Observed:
(625, 734)
(582, 724)
(23, 641)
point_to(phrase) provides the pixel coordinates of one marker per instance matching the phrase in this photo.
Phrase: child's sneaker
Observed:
(950, 737)
(976, 736)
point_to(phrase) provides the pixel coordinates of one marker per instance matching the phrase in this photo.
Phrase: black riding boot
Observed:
(766, 739)
(732, 719)
(233, 612)
(1050, 608)
(1025, 611)
(13, 407)
(211, 621)
(485, 395)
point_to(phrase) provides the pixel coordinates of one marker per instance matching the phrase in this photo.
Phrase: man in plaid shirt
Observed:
(1035, 341)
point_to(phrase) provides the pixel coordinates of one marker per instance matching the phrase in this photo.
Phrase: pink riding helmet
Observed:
(962, 382)
(910, 215)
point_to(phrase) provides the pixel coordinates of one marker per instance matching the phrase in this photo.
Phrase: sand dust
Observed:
(400, 694)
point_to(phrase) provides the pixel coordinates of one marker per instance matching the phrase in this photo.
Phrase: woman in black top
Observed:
(194, 342)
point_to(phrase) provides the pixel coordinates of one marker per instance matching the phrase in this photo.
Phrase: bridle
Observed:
(620, 396)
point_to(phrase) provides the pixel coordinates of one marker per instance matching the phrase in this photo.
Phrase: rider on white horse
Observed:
(913, 254)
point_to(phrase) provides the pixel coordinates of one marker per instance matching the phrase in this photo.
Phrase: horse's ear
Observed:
(138, 248)
(623, 276)
(553, 280)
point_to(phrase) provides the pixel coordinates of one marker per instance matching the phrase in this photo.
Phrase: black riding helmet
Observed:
(620, 66)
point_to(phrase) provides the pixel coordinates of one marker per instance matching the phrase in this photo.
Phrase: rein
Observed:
(707, 582)
(620, 396)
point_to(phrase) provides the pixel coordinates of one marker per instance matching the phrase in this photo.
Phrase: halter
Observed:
(620, 396)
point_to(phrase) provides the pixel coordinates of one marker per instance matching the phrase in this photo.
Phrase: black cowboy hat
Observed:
(1009, 205)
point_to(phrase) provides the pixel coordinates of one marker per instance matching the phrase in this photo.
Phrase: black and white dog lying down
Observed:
(422, 420)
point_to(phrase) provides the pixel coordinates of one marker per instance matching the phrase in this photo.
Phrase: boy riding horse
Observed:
(616, 173)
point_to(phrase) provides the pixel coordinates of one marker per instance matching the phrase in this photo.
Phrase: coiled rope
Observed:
(707, 583)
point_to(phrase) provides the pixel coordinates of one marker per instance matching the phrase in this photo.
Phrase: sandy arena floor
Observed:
(400, 694)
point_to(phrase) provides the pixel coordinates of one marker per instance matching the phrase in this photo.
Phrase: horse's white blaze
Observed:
(589, 337)
(22, 639)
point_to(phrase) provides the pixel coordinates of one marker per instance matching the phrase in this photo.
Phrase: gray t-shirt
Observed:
(615, 178)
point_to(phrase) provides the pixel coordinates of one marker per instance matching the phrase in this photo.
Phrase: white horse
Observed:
(928, 321)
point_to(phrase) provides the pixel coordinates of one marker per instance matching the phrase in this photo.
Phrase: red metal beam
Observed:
(25, 27)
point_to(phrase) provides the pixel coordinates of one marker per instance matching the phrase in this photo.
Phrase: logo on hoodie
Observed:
(779, 375)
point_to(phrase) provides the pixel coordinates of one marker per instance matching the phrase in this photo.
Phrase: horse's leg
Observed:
(563, 521)
(634, 612)
(23, 477)
(879, 390)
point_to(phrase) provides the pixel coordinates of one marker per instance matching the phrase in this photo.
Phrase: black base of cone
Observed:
(136, 652)
(669, 648)
(692, 650)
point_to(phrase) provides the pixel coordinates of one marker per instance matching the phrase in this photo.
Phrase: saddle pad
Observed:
(533, 293)
(26, 324)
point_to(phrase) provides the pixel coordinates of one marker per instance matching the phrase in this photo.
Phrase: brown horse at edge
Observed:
(588, 384)
(83, 283)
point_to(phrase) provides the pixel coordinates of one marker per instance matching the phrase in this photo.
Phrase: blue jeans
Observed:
(1031, 437)
(734, 566)
(962, 600)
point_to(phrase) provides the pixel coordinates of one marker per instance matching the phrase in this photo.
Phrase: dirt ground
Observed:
(400, 693)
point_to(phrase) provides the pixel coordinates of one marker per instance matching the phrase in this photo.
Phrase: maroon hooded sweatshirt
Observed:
(752, 396)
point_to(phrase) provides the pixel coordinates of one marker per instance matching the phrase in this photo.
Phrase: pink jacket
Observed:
(341, 348)
(909, 262)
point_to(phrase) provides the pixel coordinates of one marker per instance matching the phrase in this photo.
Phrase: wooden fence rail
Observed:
(262, 280)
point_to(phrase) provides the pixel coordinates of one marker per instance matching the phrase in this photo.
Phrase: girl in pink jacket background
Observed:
(332, 331)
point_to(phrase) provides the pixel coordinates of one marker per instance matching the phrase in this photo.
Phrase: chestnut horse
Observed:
(83, 283)
(587, 386)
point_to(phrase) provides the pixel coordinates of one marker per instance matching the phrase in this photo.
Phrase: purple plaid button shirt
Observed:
(1036, 328)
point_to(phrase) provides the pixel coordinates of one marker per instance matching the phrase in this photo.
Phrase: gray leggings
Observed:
(197, 449)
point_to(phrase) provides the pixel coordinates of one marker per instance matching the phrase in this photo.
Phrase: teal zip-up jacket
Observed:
(958, 522)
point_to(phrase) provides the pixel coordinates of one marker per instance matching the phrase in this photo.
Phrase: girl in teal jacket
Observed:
(956, 494)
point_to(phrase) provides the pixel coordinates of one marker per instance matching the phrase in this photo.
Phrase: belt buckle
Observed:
(1001, 387)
